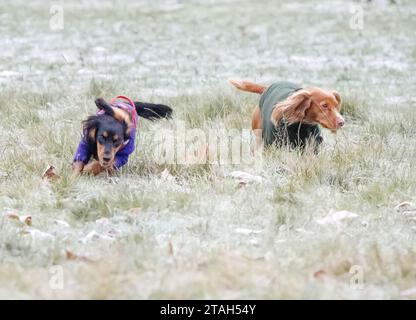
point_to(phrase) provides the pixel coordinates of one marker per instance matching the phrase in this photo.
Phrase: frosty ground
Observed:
(340, 224)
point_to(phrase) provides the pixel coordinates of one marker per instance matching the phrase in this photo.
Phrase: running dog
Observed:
(289, 115)
(109, 136)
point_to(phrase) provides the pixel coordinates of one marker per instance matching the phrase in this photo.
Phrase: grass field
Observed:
(197, 233)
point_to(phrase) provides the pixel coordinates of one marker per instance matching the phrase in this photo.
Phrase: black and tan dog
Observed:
(109, 136)
(290, 115)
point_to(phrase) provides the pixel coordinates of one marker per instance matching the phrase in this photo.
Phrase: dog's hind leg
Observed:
(256, 126)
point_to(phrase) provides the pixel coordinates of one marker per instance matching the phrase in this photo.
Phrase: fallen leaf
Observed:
(319, 274)
(50, 174)
(241, 184)
(405, 206)
(26, 220)
(407, 209)
(74, 257)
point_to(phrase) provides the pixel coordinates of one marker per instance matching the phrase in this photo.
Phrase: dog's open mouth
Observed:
(105, 164)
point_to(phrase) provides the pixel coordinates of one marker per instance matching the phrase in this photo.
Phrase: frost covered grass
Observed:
(316, 226)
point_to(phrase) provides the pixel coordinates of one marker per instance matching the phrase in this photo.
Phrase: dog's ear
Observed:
(337, 96)
(103, 105)
(125, 118)
(116, 113)
(90, 127)
(294, 108)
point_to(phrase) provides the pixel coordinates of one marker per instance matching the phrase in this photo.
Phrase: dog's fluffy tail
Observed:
(153, 111)
(247, 86)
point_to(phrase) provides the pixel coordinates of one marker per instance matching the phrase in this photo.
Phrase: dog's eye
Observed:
(101, 139)
(325, 106)
(116, 143)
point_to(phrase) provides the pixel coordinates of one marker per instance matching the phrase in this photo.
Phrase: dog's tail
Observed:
(153, 111)
(247, 86)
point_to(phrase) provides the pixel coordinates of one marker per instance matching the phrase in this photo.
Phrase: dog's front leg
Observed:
(111, 171)
(259, 139)
(94, 168)
(77, 168)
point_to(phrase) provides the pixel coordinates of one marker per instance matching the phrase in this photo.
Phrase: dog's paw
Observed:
(93, 168)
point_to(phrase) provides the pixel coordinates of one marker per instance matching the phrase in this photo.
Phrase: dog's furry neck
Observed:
(297, 135)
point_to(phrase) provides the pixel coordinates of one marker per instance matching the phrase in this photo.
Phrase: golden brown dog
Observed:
(290, 115)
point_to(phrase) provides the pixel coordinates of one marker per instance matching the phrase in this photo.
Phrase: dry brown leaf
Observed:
(27, 220)
(320, 274)
(404, 206)
(241, 184)
(50, 174)
(69, 255)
